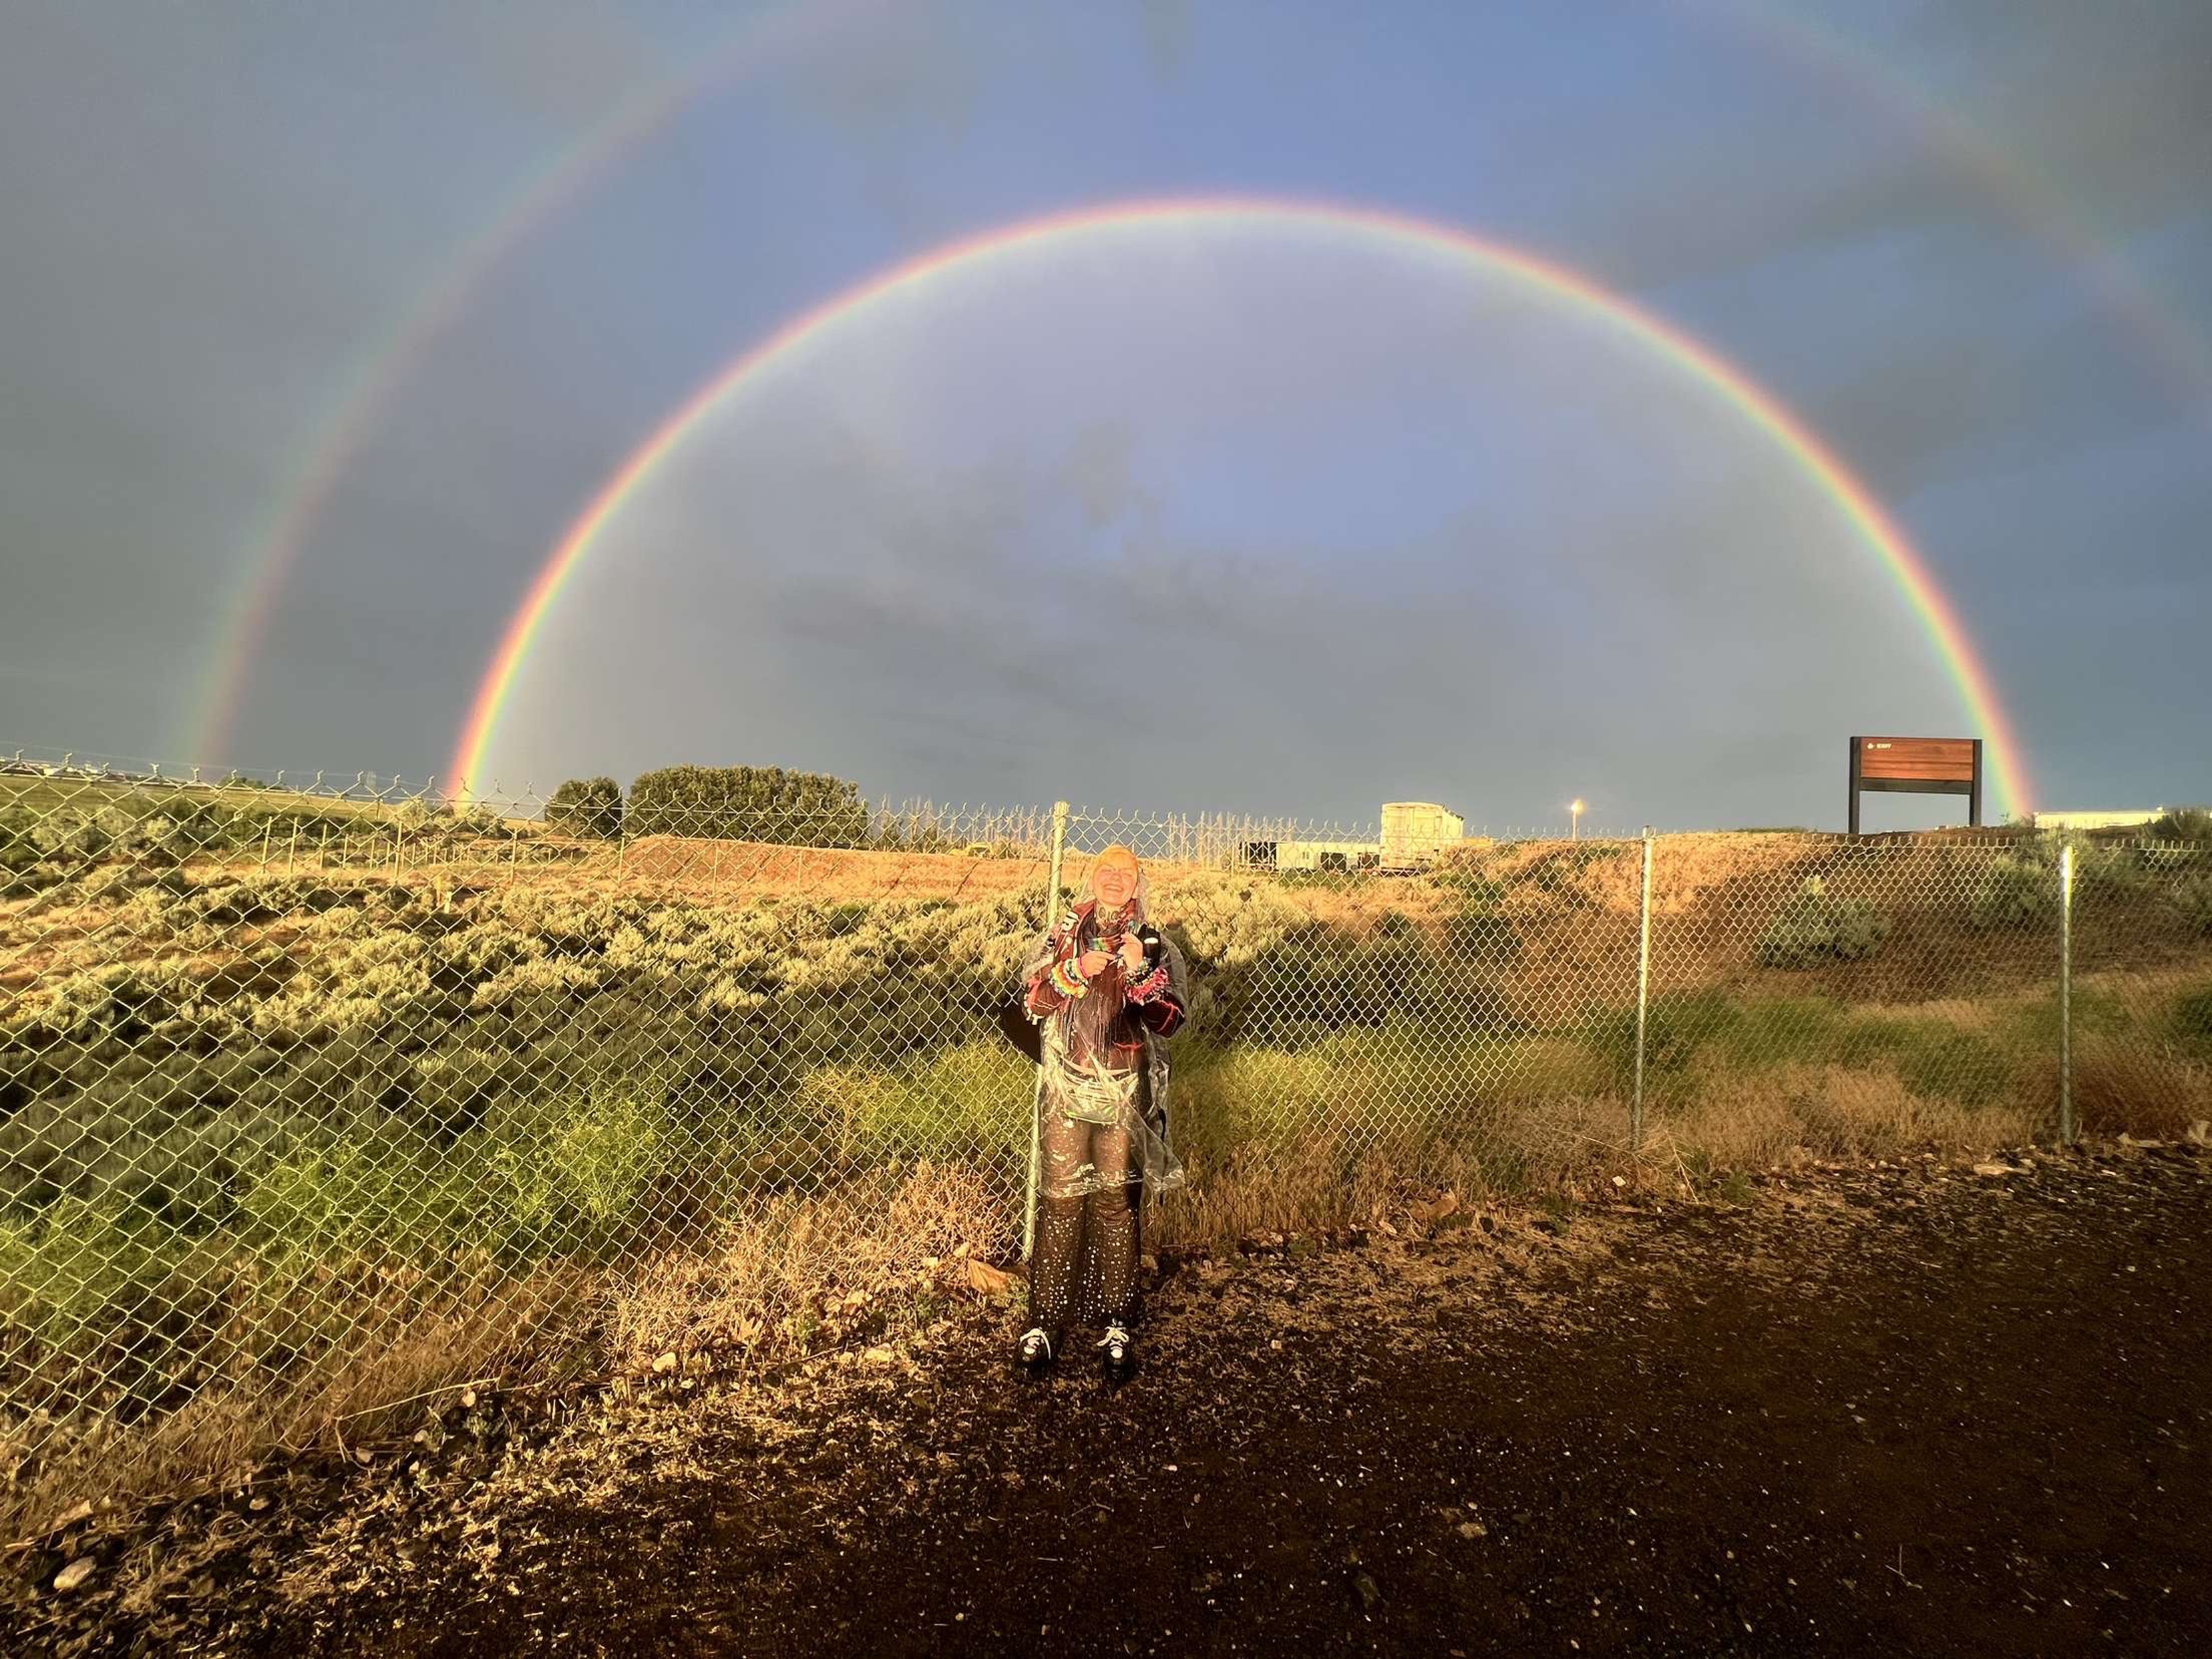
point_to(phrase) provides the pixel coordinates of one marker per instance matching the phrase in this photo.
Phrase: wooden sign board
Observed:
(1919, 766)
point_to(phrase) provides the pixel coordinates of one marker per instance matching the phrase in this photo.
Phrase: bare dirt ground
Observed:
(1909, 1408)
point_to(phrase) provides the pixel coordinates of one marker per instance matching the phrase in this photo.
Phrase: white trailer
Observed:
(1415, 831)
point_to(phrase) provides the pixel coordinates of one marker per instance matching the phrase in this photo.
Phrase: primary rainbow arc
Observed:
(1850, 498)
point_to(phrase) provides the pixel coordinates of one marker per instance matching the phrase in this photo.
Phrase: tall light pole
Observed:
(1574, 820)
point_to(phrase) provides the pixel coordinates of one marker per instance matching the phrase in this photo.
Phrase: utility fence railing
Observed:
(311, 1100)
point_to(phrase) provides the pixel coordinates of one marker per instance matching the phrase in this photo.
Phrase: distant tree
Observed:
(587, 806)
(749, 803)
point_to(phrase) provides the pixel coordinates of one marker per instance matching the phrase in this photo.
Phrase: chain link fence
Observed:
(313, 1098)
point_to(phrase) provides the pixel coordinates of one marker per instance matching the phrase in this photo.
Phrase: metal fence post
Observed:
(1642, 999)
(2066, 1125)
(1036, 1089)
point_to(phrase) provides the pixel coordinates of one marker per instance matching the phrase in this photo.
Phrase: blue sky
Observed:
(1323, 525)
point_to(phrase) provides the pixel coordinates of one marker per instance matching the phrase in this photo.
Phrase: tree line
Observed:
(730, 803)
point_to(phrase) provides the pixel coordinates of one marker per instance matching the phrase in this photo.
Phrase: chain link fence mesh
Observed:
(1867, 993)
(310, 1098)
(2140, 1002)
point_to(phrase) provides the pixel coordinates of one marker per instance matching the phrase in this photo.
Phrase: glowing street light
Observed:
(1574, 820)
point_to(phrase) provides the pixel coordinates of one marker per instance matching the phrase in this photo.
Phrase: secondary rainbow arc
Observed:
(1850, 498)
(373, 378)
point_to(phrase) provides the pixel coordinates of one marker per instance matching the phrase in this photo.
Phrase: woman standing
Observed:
(1109, 991)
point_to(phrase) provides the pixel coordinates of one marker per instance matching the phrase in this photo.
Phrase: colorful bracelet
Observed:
(1150, 988)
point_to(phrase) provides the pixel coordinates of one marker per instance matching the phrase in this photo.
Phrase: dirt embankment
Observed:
(1905, 1408)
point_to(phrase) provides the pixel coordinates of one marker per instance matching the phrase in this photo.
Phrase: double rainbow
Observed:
(1145, 219)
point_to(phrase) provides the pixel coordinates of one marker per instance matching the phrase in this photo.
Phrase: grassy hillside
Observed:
(404, 1079)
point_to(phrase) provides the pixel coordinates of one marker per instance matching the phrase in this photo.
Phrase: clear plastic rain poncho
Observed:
(1102, 1106)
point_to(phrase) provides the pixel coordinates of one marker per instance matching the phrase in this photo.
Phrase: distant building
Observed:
(1414, 833)
(1314, 854)
(2112, 820)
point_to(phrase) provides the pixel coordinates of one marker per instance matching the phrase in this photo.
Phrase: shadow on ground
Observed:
(1905, 1408)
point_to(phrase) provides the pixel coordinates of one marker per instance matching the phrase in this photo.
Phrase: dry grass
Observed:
(801, 1273)
(356, 1390)
(1355, 908)
(1688, 873)
(1757, 1120)
(832, 876)
(1574, 1145)
(821, 874)
(2126, 1088)
(1253, 1191)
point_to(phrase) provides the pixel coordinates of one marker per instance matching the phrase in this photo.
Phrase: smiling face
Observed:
(1112, 880)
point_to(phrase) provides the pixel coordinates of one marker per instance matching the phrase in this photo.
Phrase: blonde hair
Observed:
(1117, 853)
(1140, 898)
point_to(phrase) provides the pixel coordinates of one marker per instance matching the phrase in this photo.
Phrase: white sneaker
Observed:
(1034, 1350)
(1120, 1350)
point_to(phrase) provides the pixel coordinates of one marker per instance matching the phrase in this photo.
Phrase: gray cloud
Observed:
(1168, 25)
(1099, 473)
(1301, 535)
(898, 615)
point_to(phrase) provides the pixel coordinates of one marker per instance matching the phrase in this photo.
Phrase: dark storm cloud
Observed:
(2105, 103)
(1155, 670)
(1902, 422)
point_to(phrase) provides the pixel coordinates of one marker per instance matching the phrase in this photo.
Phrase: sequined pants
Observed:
(1082, 1266)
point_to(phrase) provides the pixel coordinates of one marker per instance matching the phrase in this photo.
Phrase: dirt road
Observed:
(1902, 1409)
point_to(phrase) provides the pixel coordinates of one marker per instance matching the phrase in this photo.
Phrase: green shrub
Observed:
(578, 1164)
(2016, 892)
(1676, 1025)
(1320, 980)
(749, 803)
(20, 845)
(1477, 930)
(1778, 1031)
(1947, 1063)
(960, 1103)
(159, 830)
(2022, 888)
(2192, 899)
(2183, 823)
(1358, 1086)
(1815, 928)
(587, 806)
(2190, 1021)
(1462, 875)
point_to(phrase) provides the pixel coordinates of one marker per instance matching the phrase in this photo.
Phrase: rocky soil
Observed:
(1916, 1407)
